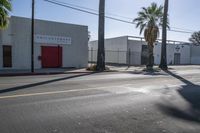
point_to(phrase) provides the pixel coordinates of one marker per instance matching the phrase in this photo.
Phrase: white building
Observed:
(133, 50)
(55, 45)
(195, 55)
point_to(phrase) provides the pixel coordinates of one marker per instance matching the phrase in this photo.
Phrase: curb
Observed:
(41, 73)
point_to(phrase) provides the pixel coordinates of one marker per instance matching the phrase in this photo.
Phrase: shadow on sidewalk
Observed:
(43, 71)
(154, 72)
(191, 94)
(42, 83)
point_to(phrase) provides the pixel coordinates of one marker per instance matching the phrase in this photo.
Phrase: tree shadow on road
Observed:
(191, 94)
(42, 83)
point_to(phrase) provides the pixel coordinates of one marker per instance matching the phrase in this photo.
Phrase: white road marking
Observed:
(115, 89)
(54, 92)
(42, 93)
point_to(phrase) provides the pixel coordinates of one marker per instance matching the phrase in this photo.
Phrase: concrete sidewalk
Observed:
(132, 69)
(44, 71)
(142, 67)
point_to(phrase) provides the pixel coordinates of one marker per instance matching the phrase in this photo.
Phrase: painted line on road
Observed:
(53, 92)
(44, 93)
(129, 86)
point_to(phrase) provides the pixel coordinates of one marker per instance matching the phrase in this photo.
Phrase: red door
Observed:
(51, 56)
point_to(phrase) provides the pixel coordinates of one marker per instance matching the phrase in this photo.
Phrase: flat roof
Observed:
(19, 17)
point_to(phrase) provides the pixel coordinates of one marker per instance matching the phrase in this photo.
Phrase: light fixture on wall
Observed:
(177, 48)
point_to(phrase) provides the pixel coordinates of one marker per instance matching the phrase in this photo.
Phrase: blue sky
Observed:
(182, 14)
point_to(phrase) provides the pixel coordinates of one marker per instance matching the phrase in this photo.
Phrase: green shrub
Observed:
(92, 68)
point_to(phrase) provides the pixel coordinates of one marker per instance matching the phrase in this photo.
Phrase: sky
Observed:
(182, 14)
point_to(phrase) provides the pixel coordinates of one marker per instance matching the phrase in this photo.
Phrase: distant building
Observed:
(55, 45)
(133, 51)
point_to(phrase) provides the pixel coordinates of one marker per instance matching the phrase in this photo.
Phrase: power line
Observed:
(74, 8)
(82, 10)
(85, 10)
(93, 10)
(178, 29)
(183, 29)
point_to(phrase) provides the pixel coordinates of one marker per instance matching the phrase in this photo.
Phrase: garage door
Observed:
(51, 56)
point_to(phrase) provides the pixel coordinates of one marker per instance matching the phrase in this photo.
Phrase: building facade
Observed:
(55, 45)
(134, 51)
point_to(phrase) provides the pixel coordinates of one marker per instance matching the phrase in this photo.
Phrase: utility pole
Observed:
(32, 36)
(163, 62)
(101, 50)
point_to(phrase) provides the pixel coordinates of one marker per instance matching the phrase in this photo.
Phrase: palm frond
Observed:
(5, 8)
(148, 21)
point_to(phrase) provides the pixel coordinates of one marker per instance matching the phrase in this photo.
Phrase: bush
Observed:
(94, 68)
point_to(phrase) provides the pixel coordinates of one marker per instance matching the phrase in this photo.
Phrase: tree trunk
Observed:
(101, 50)
(150, 62)
(163, 62)
(32, 36)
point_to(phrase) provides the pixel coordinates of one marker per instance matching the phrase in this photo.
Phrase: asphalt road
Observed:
(125, 102)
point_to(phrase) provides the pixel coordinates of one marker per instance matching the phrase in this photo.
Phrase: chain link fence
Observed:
(117, 57)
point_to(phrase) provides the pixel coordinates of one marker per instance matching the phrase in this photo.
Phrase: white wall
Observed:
(1, 55)
(185, 54)
(21, 43)
(5, 39)
(74, 55)
(170, 54)
(136, 49)
(135, 46)
(115, 50)
(195, 55)
(171, 50)
(157, 53)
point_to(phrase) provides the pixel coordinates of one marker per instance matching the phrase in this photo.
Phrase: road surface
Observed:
(114, 102)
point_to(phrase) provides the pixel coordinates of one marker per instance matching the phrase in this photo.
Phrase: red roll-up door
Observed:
(51, 56)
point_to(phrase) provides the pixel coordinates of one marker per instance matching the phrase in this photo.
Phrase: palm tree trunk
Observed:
(32, 36)
(163, 62)
(150, 62)
(101, 51)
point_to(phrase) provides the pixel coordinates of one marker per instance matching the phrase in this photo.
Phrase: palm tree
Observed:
(149, 20)
(5, 8)
(163, 61)
(101, 52)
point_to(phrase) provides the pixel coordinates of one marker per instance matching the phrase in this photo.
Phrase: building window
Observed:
(7, 56)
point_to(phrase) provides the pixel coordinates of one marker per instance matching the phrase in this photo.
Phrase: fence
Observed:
(117, 57)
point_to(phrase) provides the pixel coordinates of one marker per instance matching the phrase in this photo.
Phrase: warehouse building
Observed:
(195, 55)
(133, 51)
(55, 45)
